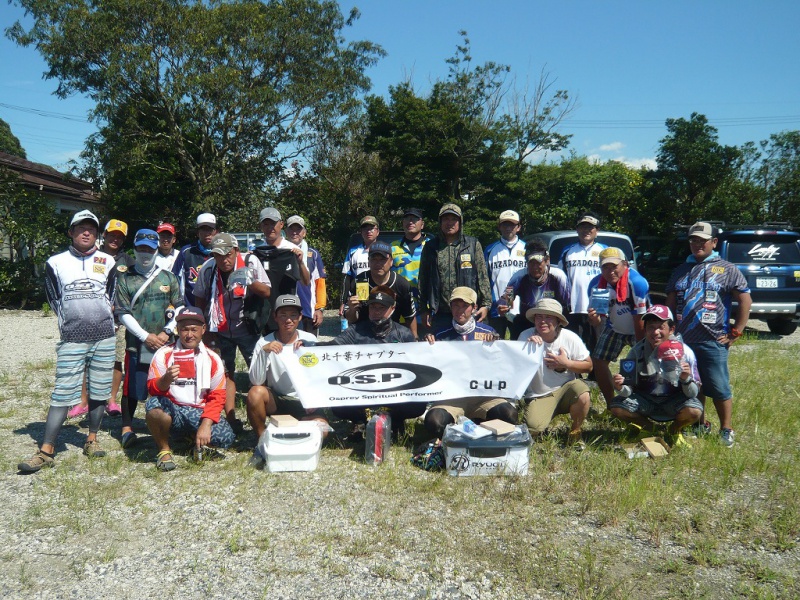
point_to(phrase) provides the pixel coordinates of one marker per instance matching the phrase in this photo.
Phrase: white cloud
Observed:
(635, 163)
(612, 147)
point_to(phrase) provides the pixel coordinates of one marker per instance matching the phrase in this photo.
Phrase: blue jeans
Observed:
(712, 364)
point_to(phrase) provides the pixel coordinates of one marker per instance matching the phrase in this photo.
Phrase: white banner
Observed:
(380, 374)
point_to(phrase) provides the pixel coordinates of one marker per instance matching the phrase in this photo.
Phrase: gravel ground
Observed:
(117, 529)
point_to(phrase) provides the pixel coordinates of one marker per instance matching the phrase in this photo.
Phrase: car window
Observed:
(764, 251)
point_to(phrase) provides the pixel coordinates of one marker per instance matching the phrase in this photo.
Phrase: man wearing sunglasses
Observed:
(145, 292)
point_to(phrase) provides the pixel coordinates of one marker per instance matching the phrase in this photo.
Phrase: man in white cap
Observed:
(80, 289)
(648, 392)
(700, 292)
(313, 296)
(504, 258)
(621, 322)
(581, 262)
(556, 388)
(192, 256)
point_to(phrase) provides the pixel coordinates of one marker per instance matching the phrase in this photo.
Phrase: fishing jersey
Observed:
(405, 307)
(80, 290)
(649, 382)
(166, 262)
(581, 264)
(503, 260)
(356, 261)
(481, 333)
(405, 261)
(703, 297)
(312, 296)
(272, 373)
(187, 267)
(529, 292)
(620, 314)
(162, 292)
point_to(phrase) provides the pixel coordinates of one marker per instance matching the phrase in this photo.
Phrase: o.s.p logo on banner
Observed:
(386, 377)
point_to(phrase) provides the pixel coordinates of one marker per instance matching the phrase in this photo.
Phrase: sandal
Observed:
(128, 439)
(163, 463)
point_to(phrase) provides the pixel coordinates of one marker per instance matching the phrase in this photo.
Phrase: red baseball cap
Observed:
(166, 227)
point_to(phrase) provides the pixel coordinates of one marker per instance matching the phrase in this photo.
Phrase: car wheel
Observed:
(781, 326)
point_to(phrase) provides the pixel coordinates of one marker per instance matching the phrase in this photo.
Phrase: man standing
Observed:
(144, 293)
(167, 254)
(539, 280)
(380, 273)
(357, 259)
(700, 293)
(627, 303)
(187, 391)
(192, 256)
(407, 251)
(581, 262)
(465, 328)
(313, 296)
(80, 289)
(219, 292)
(504, 258)
(272, 391)
(451, 260)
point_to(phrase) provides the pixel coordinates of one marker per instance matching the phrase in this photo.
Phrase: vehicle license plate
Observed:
(766, 282)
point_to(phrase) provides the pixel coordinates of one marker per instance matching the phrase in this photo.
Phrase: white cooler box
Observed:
(492, 455)
(291, 448)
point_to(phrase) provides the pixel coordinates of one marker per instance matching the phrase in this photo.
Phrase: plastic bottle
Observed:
(378, 438)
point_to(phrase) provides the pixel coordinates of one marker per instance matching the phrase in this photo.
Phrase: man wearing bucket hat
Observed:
(556, 388)
(186, 382)
(193, 256)
(79, 283)
(145, 292)
(504, 258)
(451, 260)
(625, 300)
(463, 302)
(700, 293)
(647, 391)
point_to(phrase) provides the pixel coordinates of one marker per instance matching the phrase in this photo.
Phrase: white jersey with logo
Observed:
(264, 371)
(503, 260)
(581, 264)
(356, 261)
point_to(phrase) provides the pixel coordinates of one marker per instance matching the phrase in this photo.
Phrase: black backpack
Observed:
(284, 273)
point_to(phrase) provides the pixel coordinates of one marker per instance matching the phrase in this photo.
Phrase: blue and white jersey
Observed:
(581, 264)
(356, 261)
(481, 333)
(620, 314)
(503, 260)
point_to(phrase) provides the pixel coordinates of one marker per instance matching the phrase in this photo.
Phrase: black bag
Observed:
(284, 273)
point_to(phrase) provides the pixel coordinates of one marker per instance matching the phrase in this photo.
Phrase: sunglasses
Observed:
(145, 236)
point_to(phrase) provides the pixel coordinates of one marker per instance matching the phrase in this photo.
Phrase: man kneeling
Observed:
(665, 375)
(187, 386)
(463, 303)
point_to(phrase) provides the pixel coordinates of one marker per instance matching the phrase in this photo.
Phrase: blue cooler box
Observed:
(491, 455)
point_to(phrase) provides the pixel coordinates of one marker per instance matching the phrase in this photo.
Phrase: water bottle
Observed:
(378, 438)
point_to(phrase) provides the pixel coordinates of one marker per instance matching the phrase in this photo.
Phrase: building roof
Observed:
(47, 180)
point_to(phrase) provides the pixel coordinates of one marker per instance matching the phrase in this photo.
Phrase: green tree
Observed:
(780, 174)
(210, 99)
(9, 143)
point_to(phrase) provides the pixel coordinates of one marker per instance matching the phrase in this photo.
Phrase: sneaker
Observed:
(256, 461)
(93, 450)
(78, 411)
(113, 409)
(36, 462)
(726, 437)
(699, 429)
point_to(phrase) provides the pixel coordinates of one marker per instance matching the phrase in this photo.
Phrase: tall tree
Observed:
(9, 143)
(213, 98)
(780, 174)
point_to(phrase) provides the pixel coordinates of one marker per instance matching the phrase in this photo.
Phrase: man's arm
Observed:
(484, 286)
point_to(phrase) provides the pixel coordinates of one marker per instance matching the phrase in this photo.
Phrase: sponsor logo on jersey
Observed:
(718, 270)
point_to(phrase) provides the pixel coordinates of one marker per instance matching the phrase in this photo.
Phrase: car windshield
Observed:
(764, 251)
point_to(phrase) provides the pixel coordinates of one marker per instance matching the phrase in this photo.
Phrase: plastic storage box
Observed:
(492, 455)
(294, 448)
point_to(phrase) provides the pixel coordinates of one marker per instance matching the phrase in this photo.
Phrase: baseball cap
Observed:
(464, 293)
(116, 225)
(222, 243)
(413, 211)
(383, 295)
(287, 300)
(296, 220)
(508, 215)
(166, 227)
(271, 213)
(450, 209)
(611, 255)
(380, 248)
(658, 311)
(207, 219)
(703, 230)
(84, 215)
(191, 313)
(592, 220)
(547, 306)
(146, 237)
(368, 220)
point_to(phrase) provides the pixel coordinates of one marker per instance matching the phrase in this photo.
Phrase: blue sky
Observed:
(631, 66)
